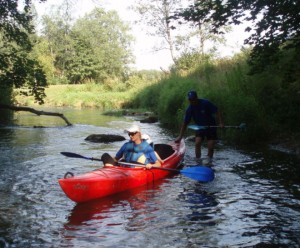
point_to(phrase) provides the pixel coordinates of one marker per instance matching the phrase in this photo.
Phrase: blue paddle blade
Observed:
(199, 173)
(242, 126)
(196, 127)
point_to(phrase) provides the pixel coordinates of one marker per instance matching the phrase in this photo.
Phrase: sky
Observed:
(146, 58)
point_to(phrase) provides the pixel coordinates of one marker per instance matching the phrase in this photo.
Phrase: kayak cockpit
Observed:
(164, 150)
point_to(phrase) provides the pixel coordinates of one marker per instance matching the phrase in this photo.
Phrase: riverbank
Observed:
(286, 144)
(81, 96)
(167, 99)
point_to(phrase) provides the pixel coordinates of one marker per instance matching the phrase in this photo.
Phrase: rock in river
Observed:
(104, 138)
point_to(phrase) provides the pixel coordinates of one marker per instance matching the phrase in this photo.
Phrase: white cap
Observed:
(133, 129)
(147, 138)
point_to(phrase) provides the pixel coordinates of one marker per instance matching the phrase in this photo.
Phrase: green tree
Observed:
(102, 47)
(56, 30)
(19, 68)
(180, 40)
(155, 14)
(41, 52)
(273, 24)
(93, 48)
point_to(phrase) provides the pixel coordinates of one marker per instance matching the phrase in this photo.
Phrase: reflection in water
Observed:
(200, 204)
(98, 209)
(139, 211)
(131, 210)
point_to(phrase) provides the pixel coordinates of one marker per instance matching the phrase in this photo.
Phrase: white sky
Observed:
(143, 47)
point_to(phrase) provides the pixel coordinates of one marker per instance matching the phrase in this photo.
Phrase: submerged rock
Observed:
(104, 138)
(150, 119)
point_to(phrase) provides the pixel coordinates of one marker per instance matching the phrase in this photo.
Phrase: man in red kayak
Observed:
(203, 113)
(136, 150)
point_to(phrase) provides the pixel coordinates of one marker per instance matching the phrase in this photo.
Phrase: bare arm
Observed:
(220, 119)
(182, 130)
(156, 164)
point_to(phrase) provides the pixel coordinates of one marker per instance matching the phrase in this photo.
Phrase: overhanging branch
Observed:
(37, 112)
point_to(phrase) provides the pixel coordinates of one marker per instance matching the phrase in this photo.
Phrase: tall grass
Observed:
(267, 102)
(258, 100)
(106, 96)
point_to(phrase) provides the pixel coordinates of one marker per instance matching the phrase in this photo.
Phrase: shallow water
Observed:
(253, 201)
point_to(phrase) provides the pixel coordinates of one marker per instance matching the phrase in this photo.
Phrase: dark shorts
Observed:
(209, 134)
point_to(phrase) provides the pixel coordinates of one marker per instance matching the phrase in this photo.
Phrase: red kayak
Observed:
(111, 180)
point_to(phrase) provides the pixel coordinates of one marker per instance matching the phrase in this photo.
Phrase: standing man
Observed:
(203, 113)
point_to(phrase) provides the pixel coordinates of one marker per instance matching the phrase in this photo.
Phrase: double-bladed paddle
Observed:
(195, 127)
(75, 155)
(199, 173)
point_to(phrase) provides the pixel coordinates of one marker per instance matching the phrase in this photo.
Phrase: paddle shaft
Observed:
(204, 174)
(198, 127)
(220, 126)
(154, 167)
(225, 126)
(75, 155)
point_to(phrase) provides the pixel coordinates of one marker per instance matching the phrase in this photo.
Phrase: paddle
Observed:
(195, 127)
(199, 173)
(75, 155)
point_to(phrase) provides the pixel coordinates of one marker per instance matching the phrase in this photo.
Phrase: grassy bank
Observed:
(82, 96)
(266, 102)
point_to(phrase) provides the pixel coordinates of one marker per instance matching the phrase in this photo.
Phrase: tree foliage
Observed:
(102, 45)
(273, 24)
(182, 40)
(155, 14)
(19, 68)
(56, 29)
(95, 47)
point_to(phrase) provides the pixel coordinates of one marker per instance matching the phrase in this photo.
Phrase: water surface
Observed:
(253, 201)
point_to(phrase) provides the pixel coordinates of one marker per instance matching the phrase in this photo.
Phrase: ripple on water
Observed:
(252, 200)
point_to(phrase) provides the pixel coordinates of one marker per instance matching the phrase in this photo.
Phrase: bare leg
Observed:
(108, 160)
(198, 142)
(210, 146)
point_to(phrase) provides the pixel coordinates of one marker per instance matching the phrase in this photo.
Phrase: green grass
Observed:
(82, 96)
(266, 102)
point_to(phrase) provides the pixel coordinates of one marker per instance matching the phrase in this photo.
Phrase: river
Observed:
(254, 200)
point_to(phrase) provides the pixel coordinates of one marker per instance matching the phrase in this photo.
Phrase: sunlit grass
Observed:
(242, 98)
(82, 96)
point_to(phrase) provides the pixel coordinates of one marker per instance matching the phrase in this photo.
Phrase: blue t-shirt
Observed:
(202, 113)
(132, 152)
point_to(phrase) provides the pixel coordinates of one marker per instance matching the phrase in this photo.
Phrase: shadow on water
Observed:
(198, 199)
(274, 166)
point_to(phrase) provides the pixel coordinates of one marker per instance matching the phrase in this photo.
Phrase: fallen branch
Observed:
(37, 112)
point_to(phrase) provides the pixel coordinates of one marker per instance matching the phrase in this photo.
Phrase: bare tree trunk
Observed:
(168, 29)
(201, 34)
(201, 39)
